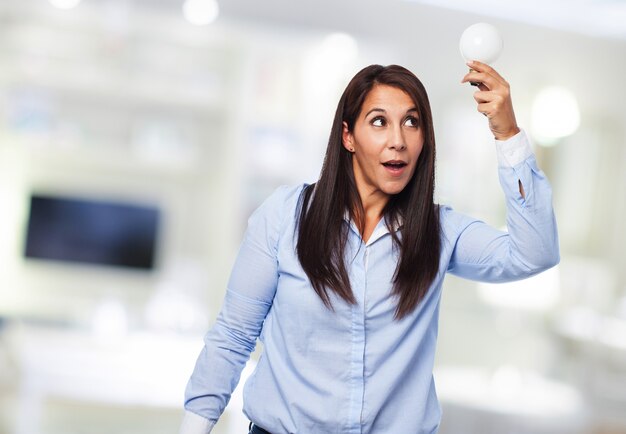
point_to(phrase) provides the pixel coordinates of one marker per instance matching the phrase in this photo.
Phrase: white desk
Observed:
(508, 401)
(141, 369)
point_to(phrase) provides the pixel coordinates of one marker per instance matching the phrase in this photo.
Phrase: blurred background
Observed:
(146, 131)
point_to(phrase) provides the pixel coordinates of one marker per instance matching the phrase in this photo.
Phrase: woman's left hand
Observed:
(494, 99)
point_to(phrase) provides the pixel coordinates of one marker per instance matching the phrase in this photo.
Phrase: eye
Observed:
(378, 121)
(411, 121)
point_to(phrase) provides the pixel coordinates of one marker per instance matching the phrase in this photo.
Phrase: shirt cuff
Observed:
(196, 424)
(514, 150)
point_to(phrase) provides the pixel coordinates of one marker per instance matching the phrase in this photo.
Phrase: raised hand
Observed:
(494, 99)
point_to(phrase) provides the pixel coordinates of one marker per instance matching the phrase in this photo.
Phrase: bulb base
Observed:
(473, 83)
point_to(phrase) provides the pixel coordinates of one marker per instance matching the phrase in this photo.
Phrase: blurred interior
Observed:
(128, 104)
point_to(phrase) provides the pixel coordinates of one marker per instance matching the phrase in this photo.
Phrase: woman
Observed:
(342, 279)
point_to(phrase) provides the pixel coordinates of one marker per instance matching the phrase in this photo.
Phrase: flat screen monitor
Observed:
(89, 231)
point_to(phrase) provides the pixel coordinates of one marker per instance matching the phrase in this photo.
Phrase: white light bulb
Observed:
(482, 42)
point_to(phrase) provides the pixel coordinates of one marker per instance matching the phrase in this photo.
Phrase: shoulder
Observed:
(285, 196)
(280, 204)
(448, 216)
(271, 219)
(453, 223)
(287, 193)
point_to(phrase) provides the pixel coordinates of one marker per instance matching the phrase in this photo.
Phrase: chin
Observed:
(394, 189)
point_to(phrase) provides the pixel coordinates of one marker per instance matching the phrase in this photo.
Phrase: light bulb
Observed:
(482, 42)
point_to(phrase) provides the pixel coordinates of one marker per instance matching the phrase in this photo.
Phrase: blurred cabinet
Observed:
(119, 101)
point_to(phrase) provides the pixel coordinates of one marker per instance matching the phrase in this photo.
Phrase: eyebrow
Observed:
(376, 109)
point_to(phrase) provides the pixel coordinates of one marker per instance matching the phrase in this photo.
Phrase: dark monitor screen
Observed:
(94, 232)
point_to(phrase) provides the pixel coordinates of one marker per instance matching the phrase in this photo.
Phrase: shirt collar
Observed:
(380, 230)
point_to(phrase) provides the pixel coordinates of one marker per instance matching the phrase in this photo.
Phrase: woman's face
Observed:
(386, 142)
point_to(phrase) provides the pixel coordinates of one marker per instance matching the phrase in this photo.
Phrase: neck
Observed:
(373, 204)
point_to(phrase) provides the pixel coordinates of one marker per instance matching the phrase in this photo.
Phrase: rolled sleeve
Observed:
(514, 150)
(196, 424)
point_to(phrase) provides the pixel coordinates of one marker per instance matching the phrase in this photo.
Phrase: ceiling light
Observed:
(201, 12)
(64, 4)
(554, 115)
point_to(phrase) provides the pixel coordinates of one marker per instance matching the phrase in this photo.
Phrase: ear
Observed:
(347, 138)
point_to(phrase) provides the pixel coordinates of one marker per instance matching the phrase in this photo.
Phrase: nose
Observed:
(396, 139)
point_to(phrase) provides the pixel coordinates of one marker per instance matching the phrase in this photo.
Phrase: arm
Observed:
(248, 298)
(531, 243)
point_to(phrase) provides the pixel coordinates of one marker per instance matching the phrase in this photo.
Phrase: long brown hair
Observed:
(322, 232)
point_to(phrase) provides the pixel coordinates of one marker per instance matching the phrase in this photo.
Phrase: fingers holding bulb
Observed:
(493, 99)
(483, 67)
(488, 102)
(483, 43)
(485, 74)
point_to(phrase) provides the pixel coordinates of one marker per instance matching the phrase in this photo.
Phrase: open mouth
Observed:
(394, 164)
(395, 167)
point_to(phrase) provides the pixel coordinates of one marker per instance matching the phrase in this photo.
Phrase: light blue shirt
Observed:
(355, 369)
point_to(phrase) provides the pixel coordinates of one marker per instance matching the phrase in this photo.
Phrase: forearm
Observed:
(227, 349)
(228, 344)
(530, 219)
(530, 244)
